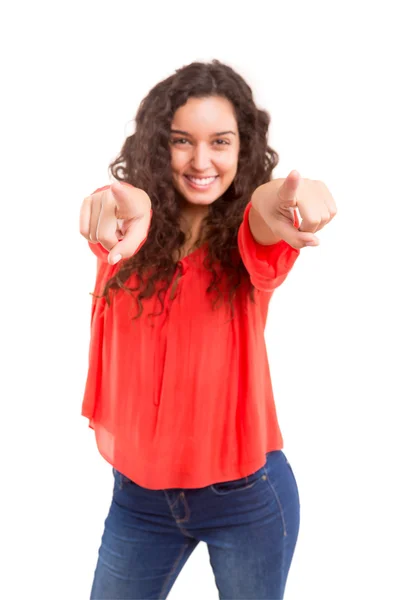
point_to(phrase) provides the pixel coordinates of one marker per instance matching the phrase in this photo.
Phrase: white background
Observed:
(73, 75)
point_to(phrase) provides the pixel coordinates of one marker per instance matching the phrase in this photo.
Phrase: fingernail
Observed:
(116, 259)
(311, 244)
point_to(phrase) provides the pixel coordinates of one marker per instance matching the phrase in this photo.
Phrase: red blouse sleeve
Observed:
(268, 266)
(98, 249)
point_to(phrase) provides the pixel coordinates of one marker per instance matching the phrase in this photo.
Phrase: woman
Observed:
(190, 248)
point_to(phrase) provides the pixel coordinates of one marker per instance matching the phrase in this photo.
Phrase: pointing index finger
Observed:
(287, 191)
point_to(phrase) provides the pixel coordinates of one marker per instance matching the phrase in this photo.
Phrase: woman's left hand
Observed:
(277, 200)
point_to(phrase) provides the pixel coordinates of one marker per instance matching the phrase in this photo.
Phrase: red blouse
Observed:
(185, 400)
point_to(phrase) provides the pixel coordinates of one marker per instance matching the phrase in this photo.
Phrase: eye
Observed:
(221, 142)
(179, 141)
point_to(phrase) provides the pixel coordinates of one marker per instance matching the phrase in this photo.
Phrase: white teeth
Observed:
(203, 181)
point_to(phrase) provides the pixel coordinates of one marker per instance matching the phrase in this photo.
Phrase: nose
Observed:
(201, 157)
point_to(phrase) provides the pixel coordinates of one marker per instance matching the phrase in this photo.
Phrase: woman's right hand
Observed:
(118, 218)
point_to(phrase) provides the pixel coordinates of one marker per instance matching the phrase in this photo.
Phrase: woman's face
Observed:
(204, 149)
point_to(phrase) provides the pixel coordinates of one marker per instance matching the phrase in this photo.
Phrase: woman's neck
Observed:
(192, 216)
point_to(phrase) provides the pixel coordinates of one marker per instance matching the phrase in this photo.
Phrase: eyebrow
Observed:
(186, 133)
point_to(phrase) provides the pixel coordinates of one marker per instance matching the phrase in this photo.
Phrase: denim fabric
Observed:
(250, 526)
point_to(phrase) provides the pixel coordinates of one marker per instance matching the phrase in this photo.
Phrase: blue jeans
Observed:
(250, 526)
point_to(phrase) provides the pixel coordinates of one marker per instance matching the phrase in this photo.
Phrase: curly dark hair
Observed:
(145, 162)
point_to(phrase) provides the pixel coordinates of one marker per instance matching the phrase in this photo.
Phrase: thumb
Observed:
(133, 207)
(287, 191)
(134, 238)
(294, 237)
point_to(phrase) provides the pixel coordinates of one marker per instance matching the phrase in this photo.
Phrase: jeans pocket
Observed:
(239, 485)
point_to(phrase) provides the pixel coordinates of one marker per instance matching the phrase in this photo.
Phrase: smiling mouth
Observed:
(201, 180)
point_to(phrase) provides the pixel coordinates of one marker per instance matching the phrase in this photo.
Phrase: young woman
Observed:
(191, 241)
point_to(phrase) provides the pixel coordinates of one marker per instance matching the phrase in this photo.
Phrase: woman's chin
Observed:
(200, 198)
